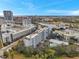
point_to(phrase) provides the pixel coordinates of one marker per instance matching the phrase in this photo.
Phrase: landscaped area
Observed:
(44, 52)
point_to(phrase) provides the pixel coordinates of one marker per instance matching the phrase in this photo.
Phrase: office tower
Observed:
(8, 16)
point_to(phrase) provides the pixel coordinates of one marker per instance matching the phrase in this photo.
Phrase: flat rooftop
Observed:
(15, 29)
(35, 33)
(57, 41)
(68, 32)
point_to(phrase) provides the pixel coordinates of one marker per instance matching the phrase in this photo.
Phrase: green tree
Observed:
(50, 54)
(11, 52)
(6, 54)
(72, 40)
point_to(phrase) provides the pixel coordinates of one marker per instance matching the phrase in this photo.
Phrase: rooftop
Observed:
(58, 42)
(35, 33)
(68, 32)
(15, 29)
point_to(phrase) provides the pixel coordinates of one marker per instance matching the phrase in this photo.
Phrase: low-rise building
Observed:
(67, 34)
(56, 42)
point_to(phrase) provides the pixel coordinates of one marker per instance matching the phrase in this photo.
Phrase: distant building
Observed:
(8, 16)
(1, 21)
(26, 22)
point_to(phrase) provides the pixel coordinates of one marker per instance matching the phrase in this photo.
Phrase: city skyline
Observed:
(37, 7)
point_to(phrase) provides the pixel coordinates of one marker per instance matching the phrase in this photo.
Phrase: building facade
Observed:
(35, 38)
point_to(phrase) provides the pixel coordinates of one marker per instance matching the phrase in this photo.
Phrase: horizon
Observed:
(41, 8)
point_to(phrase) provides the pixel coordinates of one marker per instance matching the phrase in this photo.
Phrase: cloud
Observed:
(1, 14)
(56, 3)
(29, 5)
(76, 12)
(63, 12)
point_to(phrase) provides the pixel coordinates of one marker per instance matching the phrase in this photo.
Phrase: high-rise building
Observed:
(8, 16)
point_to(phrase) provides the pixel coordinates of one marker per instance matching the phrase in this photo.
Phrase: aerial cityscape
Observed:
(28, 34)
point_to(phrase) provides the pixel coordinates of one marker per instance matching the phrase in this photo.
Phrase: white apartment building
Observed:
(10, 34)
(35, 38)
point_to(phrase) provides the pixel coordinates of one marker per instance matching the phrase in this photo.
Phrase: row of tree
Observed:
(46, 52)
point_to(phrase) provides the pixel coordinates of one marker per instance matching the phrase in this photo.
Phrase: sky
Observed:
(41, 7)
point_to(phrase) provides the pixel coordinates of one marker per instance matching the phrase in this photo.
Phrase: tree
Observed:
(50, 54)
(11, 54)
(60, 50)
(1, 39)
(6, 54)
(72, 40)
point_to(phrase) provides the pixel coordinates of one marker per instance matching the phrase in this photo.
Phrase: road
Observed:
(6, 48)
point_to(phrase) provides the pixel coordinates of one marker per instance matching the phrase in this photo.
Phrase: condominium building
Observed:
(13, 33)
(35, 38)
